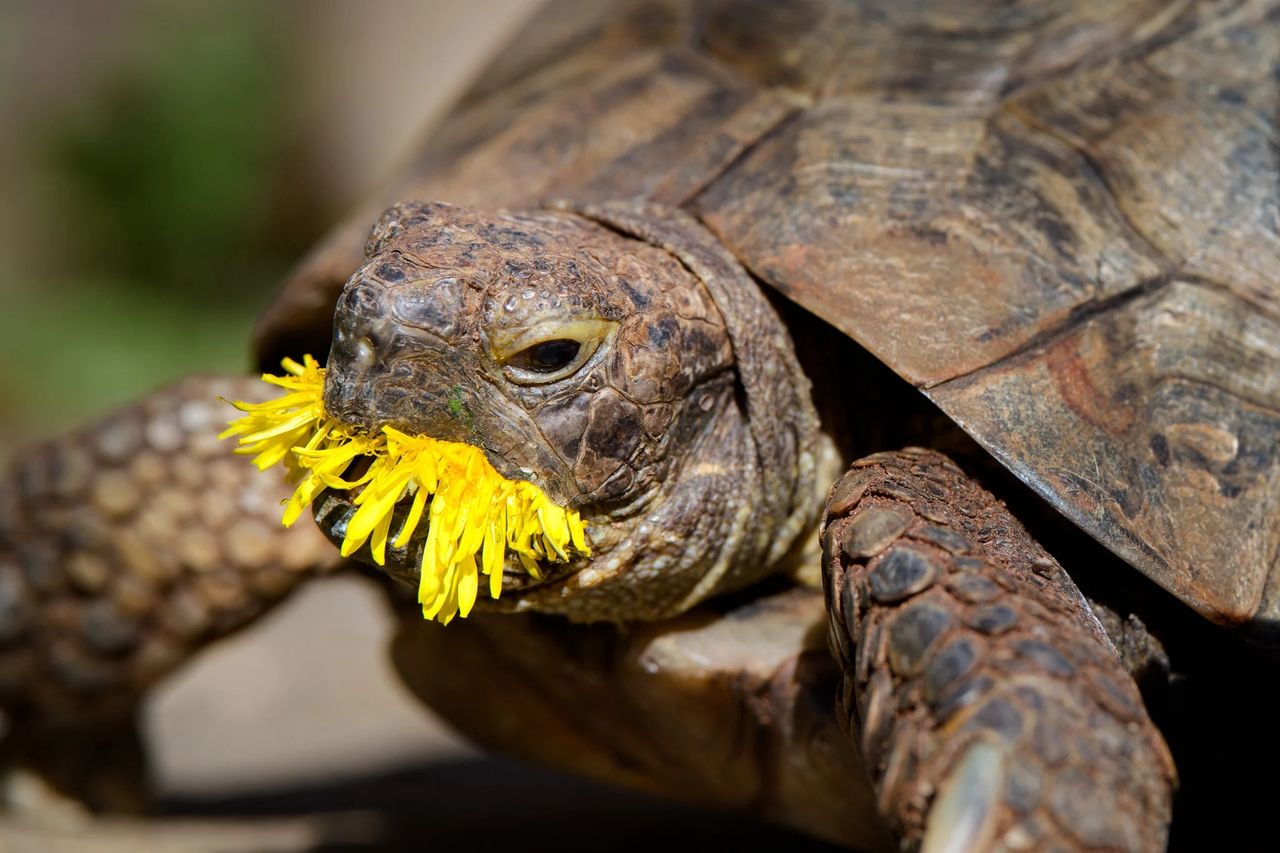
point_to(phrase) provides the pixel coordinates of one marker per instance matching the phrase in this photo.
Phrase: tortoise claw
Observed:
(963, 815)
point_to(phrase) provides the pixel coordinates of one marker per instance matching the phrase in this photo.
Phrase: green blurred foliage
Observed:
(170, 195)
(170, 169)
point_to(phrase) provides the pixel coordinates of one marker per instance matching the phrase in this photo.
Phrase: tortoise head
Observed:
(593, 364)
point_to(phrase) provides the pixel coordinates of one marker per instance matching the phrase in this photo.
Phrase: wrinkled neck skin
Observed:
(683, 433)
(709, 528)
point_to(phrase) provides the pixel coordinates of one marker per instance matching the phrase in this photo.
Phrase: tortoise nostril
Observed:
(360, 343)
(364, 353)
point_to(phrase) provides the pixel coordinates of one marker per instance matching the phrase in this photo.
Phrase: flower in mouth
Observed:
(472, 510)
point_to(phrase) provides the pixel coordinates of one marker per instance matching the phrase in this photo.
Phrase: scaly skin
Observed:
(124, 548)
(992, 710)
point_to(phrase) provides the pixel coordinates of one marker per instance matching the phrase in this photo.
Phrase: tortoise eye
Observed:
(550, 351)
(546, 357)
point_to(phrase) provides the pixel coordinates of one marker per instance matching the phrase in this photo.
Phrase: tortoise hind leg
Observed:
(992, 710)
(124, 548)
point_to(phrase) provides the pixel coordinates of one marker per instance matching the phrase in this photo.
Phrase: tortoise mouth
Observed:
(333, 510)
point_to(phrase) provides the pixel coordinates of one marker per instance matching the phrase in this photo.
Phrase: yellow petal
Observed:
(378, 546)
(412, 519)
(474, 515)
(467, 586)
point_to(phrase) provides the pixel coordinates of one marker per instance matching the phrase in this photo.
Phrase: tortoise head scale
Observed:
(618, 374)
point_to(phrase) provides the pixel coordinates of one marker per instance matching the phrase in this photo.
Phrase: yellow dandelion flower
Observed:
(472, 510)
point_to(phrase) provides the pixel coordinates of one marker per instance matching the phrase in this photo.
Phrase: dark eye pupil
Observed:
(549, 356)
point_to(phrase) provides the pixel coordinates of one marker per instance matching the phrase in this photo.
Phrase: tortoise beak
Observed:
(383, 371)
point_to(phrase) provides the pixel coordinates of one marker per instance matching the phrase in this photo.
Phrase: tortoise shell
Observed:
(1059, 220)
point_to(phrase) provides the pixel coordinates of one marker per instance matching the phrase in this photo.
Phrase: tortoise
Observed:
(680, 264)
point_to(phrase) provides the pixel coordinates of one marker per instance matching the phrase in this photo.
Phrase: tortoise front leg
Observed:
(124, 548)
(992, 711)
